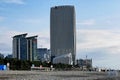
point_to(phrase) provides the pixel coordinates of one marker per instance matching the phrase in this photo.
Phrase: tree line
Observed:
(16, 64)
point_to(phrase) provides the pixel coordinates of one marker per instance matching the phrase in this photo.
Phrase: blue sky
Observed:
(97, 24)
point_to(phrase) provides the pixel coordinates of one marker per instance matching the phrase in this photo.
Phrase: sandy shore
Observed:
(55, 75)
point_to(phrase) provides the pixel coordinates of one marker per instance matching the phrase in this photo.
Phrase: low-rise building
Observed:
(44, 54)
(9, 56)
(64, 59)
(84, 64)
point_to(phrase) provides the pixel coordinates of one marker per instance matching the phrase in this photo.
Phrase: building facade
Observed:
(63, 31)
(24, 48)
(84, 63)
(64, 59)
(44, 54)
(32, 48)
(20, 47)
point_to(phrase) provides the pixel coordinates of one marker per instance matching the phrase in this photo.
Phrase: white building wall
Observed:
(64, 59)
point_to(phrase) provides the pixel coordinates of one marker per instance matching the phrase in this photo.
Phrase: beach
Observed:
(55, 75)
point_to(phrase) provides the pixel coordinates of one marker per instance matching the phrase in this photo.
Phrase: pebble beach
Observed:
(55, 75)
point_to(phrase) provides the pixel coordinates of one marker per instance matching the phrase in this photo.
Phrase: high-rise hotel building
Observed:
(25, 48)
(20, 47)
(63, 31)
(32, 48)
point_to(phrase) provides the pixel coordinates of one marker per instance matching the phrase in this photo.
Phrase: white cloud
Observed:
(14, 1)
(43, 42)
(88, 22)
(6, 40)
(92, 39)
(101, 22)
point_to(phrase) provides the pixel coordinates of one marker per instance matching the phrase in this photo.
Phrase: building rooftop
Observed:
(20, 35)
(32, 37)
(62, 6)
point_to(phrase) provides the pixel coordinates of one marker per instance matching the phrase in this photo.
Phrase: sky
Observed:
(97, 27)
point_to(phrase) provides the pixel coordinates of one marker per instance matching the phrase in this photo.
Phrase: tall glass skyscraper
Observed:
(63, 31)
